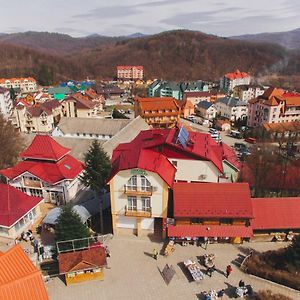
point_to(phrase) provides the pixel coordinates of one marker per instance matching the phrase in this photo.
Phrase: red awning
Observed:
(221, 231)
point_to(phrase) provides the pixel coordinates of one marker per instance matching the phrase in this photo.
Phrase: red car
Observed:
(250, 140)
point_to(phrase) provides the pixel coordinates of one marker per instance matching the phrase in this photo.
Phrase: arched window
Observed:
(132, 183)
(145, 183)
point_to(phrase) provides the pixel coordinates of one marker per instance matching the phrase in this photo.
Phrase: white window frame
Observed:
(132, 203)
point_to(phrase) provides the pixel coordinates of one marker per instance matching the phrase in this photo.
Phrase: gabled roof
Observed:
(82, 260)
(19, 278)
(212, 200)
(276, 213)
(44, 147)
(14, 204)
(231, 102)
(67, 167)
(204, 104)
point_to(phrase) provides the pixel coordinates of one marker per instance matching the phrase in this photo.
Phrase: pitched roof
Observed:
(221, 231)
(82, 260)
(92, 125)
(204, 104)
(276, 213)
(232, 102)
(157, 103)
(44, 147)
(67, 167)
(210, 200)
(14, 204)
(19, 278)
(236, 75)
(130, 67)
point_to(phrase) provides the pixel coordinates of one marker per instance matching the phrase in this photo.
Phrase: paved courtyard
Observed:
(134, 275)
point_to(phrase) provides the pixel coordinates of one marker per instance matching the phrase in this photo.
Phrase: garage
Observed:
(148, 224)
(126, 222)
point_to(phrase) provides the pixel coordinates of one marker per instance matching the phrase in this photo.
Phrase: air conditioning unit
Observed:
(202, 176)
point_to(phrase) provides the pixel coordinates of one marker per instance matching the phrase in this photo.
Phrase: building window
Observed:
(145, 183)
(196, 221)
(146, 203)
(132, 183)
(131, 203)
(36, 192)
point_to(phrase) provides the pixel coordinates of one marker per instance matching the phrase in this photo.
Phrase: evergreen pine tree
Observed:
(69, 227)
(96, 171)
(293, 252)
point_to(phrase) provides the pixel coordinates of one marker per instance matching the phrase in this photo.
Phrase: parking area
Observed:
(133, 274)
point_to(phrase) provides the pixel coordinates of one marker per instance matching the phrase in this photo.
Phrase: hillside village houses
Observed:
(25, 85)
(231, 80)
(46, 170)
(145, 169)
(231, 108)
(274, 106)
(6, 103)
(196, 97)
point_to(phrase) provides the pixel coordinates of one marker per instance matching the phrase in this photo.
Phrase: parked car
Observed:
(213, 131)
(236, 134)
(240, 146)
(250, 140)
(192, 119)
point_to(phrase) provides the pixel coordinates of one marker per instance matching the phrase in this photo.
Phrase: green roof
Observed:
(59, 96)
(59, 90)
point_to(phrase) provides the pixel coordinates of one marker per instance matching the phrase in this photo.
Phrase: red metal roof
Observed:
(221, 231)
(51, 172)
(19, 278)
(212, 200)
(44, 147)
(14, 204)
(237, 74)
(163, 141)
(276, 213)
(82, 260)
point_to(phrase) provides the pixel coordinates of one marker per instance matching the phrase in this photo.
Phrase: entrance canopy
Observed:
(53, 214)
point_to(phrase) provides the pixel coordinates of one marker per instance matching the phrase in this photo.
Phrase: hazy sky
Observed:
(122, 17)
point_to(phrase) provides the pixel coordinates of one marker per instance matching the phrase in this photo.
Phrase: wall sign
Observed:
(138, 172)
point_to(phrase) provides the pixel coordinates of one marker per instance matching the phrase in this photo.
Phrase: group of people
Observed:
(211, 269)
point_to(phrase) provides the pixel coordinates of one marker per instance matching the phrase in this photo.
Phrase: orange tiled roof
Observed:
(130, 67)
(157, 103)
(237, 74)
(3, 80)
(19, 278)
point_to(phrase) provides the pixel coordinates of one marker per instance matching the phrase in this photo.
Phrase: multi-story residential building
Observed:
(37, 118)
(6, 103)
(158, 112)
(247, 92)
(176, 90)
(274, 106)
(206, 110)
(26, 85)
(145, 169)
(82, 105)
(196, 97)
(47, 170)
(130, 72)
(232, 108)
(230, 80)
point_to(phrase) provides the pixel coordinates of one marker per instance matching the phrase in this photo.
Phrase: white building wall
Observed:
(120, 198)
(6, 105)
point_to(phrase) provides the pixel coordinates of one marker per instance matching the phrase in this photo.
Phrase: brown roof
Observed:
(19, 278)
(36, 111)
(282, 127)
(82, 260)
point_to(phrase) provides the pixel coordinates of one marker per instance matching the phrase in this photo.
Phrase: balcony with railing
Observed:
(134, 212)
(138, 190)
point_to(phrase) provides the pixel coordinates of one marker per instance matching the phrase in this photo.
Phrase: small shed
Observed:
(83, 265)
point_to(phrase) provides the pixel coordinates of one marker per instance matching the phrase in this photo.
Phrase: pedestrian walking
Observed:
(155, 254)
(228, 270)
(221, 293)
